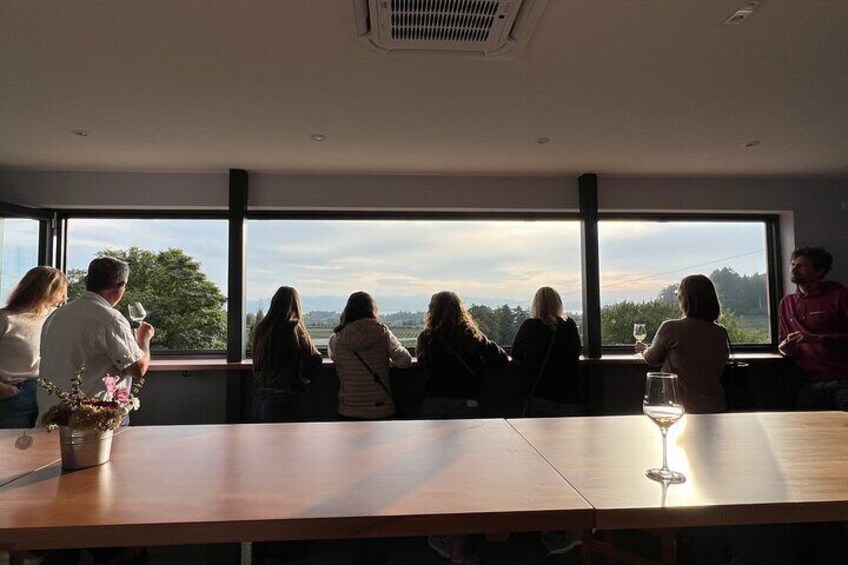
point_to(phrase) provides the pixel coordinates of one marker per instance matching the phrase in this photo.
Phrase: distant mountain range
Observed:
(389, 304)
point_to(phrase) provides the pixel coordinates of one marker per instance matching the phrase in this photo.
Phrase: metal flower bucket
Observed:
(84, 448)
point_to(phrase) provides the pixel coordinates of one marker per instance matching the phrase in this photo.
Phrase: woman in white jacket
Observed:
(363, 349)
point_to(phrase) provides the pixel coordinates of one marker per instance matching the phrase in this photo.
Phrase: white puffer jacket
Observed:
(359, 395)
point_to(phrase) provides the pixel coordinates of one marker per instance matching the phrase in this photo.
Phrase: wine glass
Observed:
(640, 332)
(137, 312)
(662, 405)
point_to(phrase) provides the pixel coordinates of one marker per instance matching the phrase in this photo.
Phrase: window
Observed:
(18, 252)
(494, 265)
(178, 271)
(642, 261)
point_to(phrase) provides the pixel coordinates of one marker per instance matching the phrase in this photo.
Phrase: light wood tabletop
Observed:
(19, 457)
(204, 484)
(741, 468)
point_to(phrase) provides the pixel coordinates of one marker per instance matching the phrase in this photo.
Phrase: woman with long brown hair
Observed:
(284, 360)
(32, 300)
(455, 356)
(363, 349)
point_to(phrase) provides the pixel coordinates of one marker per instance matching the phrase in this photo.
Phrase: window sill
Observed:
(220, 364)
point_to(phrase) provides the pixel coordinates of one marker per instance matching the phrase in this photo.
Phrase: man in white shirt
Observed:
(90, 332)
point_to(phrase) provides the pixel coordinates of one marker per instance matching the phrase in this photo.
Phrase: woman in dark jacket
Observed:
(284, 360)
(455, 356)
(551, 339)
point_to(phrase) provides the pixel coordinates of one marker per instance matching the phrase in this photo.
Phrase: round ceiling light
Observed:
(318, 137)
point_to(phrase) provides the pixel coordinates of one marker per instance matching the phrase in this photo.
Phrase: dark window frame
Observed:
(407, 215)
(62, 217)
(771, 221)
(774, 281)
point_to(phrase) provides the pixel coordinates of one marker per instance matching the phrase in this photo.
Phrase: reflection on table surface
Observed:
(740, 468)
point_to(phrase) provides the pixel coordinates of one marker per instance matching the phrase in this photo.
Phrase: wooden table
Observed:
(206, 484)
(16, 462)
(746, 468)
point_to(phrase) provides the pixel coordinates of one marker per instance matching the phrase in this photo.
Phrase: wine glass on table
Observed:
(640, 332)
(662, 405)
(137, 312)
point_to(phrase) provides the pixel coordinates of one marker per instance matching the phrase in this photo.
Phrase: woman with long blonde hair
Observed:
(547, 348)
(32, 300)
(284, 360)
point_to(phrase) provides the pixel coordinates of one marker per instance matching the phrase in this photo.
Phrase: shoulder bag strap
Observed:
(374, 374)
(541, 370)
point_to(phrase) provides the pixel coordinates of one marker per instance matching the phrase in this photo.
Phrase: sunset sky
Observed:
(504, 260)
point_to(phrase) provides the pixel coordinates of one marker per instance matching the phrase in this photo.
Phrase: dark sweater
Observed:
(457, 371)
(560, 381)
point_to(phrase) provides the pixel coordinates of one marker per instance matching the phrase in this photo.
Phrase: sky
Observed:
(403, 262)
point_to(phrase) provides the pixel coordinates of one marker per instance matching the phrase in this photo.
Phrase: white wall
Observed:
(813, 211)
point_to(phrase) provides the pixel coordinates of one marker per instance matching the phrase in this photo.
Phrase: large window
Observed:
(642, 262)
(18, 252)
(178, 271)
(494, 265)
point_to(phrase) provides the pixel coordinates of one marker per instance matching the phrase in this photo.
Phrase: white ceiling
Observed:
(655, 87)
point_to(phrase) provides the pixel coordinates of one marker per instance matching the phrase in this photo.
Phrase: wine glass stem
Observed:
(665, 448)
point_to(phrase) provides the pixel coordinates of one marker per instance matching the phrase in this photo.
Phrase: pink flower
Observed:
(110, 383)
(122, 395)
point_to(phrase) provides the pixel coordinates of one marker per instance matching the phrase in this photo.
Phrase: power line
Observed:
(677, 270)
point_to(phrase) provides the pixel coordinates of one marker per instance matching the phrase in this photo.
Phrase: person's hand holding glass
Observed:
(662, 405)
(640, 332)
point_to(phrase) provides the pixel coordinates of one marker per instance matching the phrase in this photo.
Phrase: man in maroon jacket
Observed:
(814, 331)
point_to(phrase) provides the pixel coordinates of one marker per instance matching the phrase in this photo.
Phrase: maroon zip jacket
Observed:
(823, 311)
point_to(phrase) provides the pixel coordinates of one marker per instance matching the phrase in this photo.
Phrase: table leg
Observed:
(246, 553)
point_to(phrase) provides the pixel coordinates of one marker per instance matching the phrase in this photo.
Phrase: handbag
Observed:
(528, 401)
(736, 380)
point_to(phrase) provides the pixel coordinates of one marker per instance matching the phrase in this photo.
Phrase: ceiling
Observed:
(655, 87)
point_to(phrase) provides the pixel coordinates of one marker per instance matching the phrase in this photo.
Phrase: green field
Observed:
(406, 334)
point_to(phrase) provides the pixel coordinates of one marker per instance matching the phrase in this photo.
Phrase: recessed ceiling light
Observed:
(543, 140)
(318, 137)
(742, 13)
(79, 132)
(752, 143)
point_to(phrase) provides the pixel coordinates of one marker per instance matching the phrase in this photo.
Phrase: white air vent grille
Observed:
(477, 27)
(443, 20)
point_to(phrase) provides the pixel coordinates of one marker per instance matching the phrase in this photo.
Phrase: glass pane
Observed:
(18, 252)
(178, 271)
(494, 266)
(643, 261)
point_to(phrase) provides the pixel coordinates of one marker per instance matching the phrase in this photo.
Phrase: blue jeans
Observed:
(21, 410)
(440, 408)
(824, 395)
(270, 407)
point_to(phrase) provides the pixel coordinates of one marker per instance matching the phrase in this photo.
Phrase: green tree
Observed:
(617, 319)
(185, 307)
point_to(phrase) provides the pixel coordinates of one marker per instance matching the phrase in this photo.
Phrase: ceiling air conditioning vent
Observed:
(497, 29)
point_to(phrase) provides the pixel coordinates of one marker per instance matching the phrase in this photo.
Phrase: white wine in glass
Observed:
(137, 312)
(662, 405)
(640, 332)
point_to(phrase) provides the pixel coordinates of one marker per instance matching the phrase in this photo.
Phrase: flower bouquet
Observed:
(86, 422)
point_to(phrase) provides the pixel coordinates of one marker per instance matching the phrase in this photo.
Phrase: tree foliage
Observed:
(617, 319)
(499, 324)
(185, 307)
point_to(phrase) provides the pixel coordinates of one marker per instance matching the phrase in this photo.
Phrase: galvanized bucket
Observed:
(84, 448)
